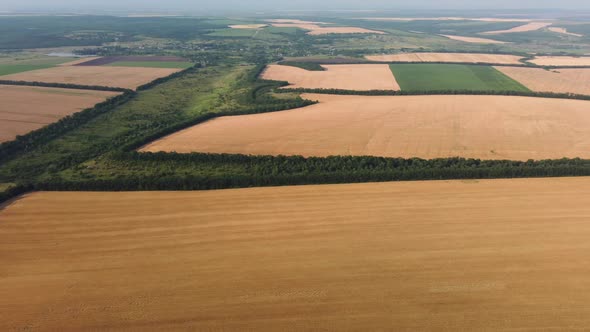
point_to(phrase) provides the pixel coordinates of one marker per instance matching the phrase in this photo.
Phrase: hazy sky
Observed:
(206, 5)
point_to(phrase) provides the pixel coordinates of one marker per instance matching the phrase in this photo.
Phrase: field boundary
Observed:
(552, 95)
(64, 86)
(296, 170)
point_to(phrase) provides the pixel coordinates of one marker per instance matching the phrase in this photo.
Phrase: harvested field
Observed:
(123, 77)
(361, 77)
(107, 60)
(485, 127)
(563, 61)
(448, 57)
(316, 29)
(557, 80)
(497, 255)
(24, 109)
(533, 26)
(474, 40)
(247, 26)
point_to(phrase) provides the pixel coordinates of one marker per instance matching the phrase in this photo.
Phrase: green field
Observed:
(430, 77)
(13, 69)
(151, 64)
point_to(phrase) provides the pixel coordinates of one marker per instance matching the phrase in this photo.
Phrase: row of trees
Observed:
(438, 92)
(64, 86)
(282, 170)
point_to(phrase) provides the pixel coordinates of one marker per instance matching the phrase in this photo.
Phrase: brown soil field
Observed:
(360, 77)
(292, 21)
(123, 77)
(24, 109)
(564, 31)
(485, 127)
(561, 61)
(447, 57)
(533, 26)
(474, 40)
(494, 255)
(557, 80)
(248, 26)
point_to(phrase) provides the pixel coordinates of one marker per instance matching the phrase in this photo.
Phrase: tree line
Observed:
(437, 92)
(259, 171)
(64, 86)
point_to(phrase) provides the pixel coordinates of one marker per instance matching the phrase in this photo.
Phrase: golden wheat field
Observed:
(564, 61)
(448, 57)
(496, 255)
(561, 80)
(362, 77)
(24, 108)
(122, 77)
(485, 127)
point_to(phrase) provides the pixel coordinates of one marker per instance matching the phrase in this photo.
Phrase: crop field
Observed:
(564, 61)
(563, 80)
(24, 109)
(123, 77)
(532, 26)
(482, 127)
(14, 69)
(474, 40)
(408, 256)
(319, 28)
(448, 57)
(151, 64)
(361, 77)
(429, 77)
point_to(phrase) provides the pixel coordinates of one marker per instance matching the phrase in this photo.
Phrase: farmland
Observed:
(123, 77)
(347, 77)
(475, 40)
(448, 57)
(400, 256)
(24, 109)
(14, 69)
(565, 61)
(485, 127)
(532, 26)
(319, 28)
(563, 80)
(428, 77)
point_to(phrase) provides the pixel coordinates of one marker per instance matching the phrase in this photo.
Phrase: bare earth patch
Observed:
(447, 57)
(124, 77)
(561, 80)
(24, 109)
(533, 26)
(247, 26)
(486, 127)
(564, 31)
(361, 77)
(408, 256)
(561, 61)
(474, 40)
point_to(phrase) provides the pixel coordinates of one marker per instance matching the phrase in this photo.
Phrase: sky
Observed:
(257, 5)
